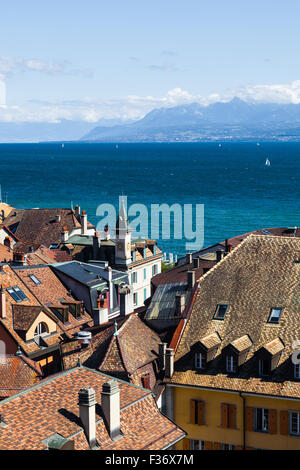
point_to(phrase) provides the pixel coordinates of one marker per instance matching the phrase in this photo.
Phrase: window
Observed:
(297, 371)
(41, 329)
(197, 412)
(220, 311)
(197, 445)
(275, 315)
(145, 274)
(200, 360)
(34, 279)
(16, 293)
(145, 294)
(227, 446)
(262, 419)
(228, 416)
(154, 270)
(135, 298)
(231, 363)
(264, 367)
(294, 422)
(134, 278)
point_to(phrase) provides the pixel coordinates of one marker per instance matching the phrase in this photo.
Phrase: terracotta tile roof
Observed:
(24, 316)
(44, 255)
(275, 346)
(52, 407)
(242, 344)
(135, 346)
(51, 292)
(179, 273)
(35, 227)
(261, 273)
(211, 341)
(6, 254)
(17, 373)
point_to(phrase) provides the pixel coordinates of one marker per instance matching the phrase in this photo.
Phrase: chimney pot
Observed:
(87, 410)
(162, 347)
(110, 401)
(169, 363)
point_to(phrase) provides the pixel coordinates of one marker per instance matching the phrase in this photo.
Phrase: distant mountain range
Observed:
(234, 120)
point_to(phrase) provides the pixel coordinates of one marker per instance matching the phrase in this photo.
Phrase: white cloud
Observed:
(135, 107)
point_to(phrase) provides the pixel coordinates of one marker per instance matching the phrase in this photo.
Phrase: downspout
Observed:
(244, 419)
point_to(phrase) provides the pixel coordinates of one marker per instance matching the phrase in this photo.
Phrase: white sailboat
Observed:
(268, 163)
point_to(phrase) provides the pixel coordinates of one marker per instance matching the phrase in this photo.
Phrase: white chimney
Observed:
(126, 300)
(189, 258)
(83, 221)
(179, 304)
(77, 212)
(64, 234)
(87, 412)
(2, 303)
(110, 286)
(169, 363)
(191, 279)
(110, 402)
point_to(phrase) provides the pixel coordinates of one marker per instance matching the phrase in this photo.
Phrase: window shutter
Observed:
(224, 415)
(208, 445)
(273, 421)
(200, 409)
(284, 422)
(186, 444)
(232, 416)
(217, 446)
(193, 411)
(249, 418)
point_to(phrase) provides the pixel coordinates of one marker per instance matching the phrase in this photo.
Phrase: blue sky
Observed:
(98, 59)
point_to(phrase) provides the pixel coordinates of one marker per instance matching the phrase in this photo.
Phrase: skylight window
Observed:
(34, 279)
(275, 315)
(16, 293)
(220, 311)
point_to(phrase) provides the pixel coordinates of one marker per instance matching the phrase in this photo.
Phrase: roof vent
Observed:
(84, 337)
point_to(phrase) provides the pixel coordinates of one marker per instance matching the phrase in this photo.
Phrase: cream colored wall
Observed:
(42, 317)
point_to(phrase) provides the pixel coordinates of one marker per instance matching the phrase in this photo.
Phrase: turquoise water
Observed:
(238, 191)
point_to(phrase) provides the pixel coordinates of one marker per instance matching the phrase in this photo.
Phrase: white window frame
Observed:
(291, 432)
(199, 360)
(135, 298)
(231, 363)
(201, 444)
(265, 420)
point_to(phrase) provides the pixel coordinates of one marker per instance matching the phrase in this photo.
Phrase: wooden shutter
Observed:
(216, 446)
(284, 422)
(224, 415)
(200, 409)
(249, 418)
(186, 444)
(208, 445)
(232, 416)
(193, 412)
(273, 421)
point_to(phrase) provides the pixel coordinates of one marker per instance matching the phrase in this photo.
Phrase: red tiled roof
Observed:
(17, 373)
(52, 407)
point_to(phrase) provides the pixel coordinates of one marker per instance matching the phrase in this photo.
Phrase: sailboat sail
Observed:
(268, 163)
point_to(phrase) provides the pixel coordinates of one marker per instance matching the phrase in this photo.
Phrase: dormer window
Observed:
(275, 315)
(221, 311)
(200, 360)
(231, 363)
(41, 329)
(264, 367)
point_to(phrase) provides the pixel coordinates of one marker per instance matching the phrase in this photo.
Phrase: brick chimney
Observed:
(64, 234)
(169, 363)
(162, 347)
(19, 258)
(2, 303)
(110, 402)
(87, 413)
(101, 312)
(83, 221)
(179, 304)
